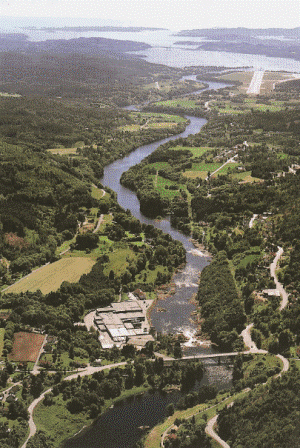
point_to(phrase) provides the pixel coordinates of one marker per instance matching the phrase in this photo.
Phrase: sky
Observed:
(172, 14)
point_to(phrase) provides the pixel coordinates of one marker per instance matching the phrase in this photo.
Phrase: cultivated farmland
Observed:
(49, 278)
(26, 346)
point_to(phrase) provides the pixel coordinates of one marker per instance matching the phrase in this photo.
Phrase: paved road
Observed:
(246, 334)
(286, 365)
(211, 423)
(88, 371)
(210, 431)
(251, 222)
(279, 286)
(254, 86)
(231, 160)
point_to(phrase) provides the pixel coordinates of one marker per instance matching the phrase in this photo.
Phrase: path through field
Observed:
(231, 160)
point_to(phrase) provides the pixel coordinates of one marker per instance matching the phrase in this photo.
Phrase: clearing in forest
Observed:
(26, 346)
(49, 278)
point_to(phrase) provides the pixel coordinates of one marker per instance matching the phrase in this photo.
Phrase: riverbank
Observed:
(202, 248)
(64, 427)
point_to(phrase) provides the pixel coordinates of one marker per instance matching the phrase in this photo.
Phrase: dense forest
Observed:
(267, 417)
(221, 307)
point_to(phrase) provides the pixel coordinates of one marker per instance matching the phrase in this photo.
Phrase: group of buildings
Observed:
(124, 323)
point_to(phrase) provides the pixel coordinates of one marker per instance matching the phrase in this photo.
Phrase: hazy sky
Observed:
(173, 14)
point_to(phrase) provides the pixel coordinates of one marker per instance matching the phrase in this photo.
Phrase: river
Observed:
(148, 410)
(178, 308)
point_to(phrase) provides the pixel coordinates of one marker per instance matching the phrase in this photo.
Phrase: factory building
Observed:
(122, 321)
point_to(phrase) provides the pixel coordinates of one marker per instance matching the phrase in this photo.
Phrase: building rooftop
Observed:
(122, 320)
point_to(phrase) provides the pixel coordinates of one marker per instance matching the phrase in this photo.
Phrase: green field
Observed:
(159, 165)
(227, 107)
(60, 424)
(245, 176)
(201, 170)
(160, 183)
(49, 278)
(225, 168)
(118, 261)
(159, 117)
(97, 193)
(179, 102)
(63, 151)
(197, 152)
(152, 121)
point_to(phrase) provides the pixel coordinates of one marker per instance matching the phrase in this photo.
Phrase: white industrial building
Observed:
(122, 321)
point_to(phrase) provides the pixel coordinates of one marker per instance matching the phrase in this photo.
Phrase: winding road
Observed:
(279, 286)
(88, 371)
(210, 431)
(246, 334)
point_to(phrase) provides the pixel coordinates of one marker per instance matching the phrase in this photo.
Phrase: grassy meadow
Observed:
(49, 278)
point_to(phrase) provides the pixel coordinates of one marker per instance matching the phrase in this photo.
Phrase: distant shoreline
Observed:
(79, 29)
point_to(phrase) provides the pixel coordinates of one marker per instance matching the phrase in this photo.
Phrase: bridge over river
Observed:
(168, 360)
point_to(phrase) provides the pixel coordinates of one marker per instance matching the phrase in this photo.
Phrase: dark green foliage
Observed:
(220, 304)
(40, 440)
(266, 417)
(170, 409)
(190, 435)
(87, 241)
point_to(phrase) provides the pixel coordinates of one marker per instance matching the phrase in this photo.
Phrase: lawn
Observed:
(160, 183)
(49, 278)
(225, 168)
(26, 346)
(118, 261)
(227, 109)
(97, 193)
(159, 165)
(152, 121)
(179, 102)
(201, 170)
(237, 76)
(159, 117)
(243, 77)
(60, 424)
(63, 151)
(130, 128)
(197, 152)
(162, 124)
(245, 176)
(58, 421)
(249, 259)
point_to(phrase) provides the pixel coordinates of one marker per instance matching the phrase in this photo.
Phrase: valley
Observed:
(98, 202)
